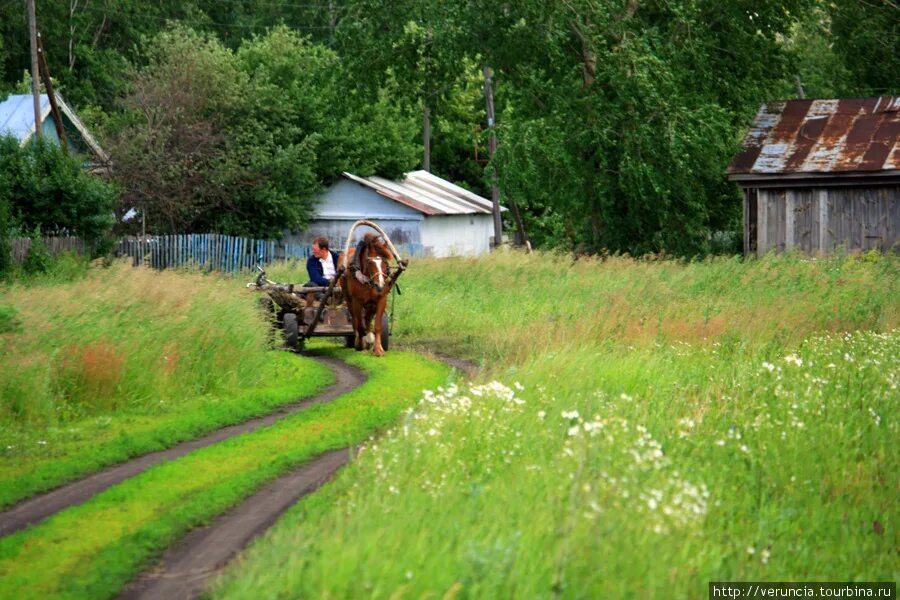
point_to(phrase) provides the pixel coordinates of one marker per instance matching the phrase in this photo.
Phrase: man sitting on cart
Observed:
(322, 264)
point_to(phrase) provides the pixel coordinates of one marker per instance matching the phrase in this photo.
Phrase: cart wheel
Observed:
(385, 332)
(349, 341)
(291, 331)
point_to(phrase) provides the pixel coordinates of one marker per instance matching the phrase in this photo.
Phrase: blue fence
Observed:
(208, 252)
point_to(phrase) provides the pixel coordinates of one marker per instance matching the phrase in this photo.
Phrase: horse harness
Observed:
(357, 270)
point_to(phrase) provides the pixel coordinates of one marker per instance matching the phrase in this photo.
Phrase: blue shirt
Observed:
(314, 268)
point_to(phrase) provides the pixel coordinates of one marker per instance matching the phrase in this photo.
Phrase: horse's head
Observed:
(374, 261)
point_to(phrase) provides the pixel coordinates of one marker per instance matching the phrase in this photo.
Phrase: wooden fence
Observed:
(208, 252)
(55, 245)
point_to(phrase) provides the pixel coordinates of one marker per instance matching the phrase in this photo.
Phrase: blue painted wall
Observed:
(348, 201)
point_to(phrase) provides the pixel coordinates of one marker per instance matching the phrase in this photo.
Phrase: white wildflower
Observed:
(794, 359)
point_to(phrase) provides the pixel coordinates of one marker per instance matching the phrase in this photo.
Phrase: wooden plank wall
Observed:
(55, 245)
(819, 220)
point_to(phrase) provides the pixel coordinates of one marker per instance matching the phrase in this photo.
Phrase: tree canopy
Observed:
(615, 118)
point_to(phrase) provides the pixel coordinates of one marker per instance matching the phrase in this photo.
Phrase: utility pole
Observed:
(495, 190)
(51, 95)
(35, 76)
(426, 138)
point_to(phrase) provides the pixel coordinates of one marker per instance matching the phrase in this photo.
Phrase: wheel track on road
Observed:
(38, 508)
(187, 567)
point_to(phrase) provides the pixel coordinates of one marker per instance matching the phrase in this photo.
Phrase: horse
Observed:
(366, 284)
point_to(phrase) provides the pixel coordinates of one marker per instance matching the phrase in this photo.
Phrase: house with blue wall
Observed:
(423, 214)
(17, 120)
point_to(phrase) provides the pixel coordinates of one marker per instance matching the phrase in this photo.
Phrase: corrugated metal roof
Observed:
(17, 115)
(822, 136)
(427, 193)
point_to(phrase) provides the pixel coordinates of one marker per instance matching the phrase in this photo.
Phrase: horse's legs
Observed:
(362, 328)
(379, 312)
(356, 318)
(369, 313)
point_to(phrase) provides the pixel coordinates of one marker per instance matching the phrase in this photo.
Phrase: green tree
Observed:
(866, 36)
(241, 142)
(48, 188)
(619, 118)
(169, 144)
(88, 44)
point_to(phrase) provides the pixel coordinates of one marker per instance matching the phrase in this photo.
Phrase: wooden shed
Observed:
(821, 174)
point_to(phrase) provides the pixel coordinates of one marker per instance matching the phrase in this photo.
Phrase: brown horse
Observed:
(366, 285)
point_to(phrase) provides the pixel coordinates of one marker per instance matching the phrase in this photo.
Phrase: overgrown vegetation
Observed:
(125, 361)
(5, 243)
(68, 556)
(652, 426)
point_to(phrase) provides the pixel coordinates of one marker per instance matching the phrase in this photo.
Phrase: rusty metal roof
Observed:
(427, 193)
(797, 137)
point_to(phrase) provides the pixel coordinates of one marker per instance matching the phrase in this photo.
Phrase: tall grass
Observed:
(655, 426)
(646, 477)
(509, 306)
(124, 337)
(120, 361)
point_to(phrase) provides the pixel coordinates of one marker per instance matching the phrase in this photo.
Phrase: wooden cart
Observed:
(304, 312)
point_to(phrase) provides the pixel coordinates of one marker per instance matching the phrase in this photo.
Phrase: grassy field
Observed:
(109, 363)
(645, 427)
(69, 556)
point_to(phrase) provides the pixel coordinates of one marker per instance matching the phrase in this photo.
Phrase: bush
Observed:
(38, 258)
(46, 187)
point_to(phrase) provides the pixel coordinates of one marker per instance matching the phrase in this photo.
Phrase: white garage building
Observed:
(426, 215)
